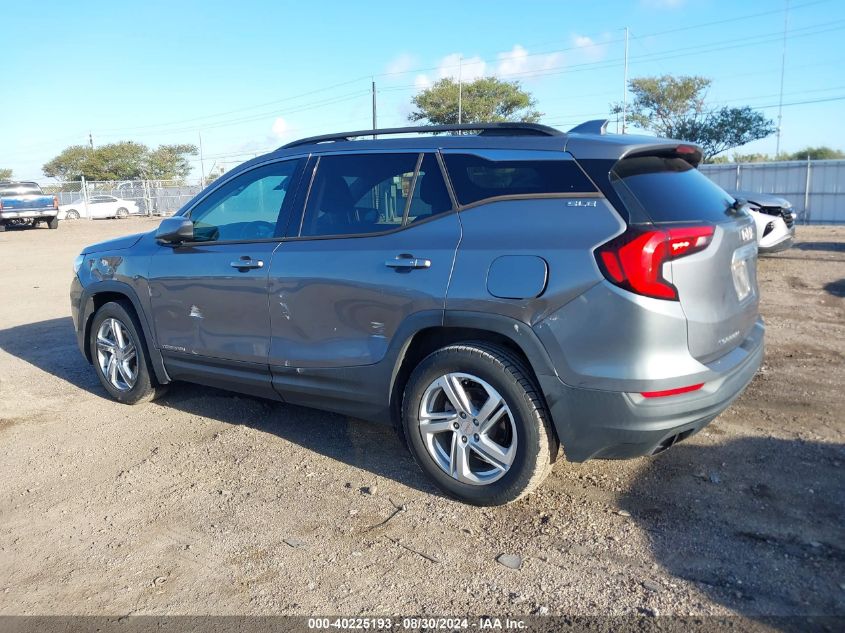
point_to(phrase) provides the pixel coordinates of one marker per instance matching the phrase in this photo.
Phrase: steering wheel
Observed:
(259, 230)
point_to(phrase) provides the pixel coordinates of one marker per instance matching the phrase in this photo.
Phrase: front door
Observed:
(209, 296)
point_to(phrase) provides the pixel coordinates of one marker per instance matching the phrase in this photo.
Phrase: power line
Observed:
(418, 70)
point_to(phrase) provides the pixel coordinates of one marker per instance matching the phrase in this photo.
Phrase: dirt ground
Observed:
(208, 502)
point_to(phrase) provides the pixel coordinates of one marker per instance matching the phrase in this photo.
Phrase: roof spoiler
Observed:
(499, 129)
(596, 126)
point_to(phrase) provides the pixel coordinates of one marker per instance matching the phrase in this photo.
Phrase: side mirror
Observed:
(175, 230)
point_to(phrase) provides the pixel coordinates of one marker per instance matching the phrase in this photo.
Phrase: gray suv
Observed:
(494, 294)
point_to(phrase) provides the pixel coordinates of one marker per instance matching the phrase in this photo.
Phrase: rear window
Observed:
(669, 190)
(20, 190)
(475, 178)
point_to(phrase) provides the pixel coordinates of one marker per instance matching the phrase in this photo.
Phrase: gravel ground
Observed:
(208, 502)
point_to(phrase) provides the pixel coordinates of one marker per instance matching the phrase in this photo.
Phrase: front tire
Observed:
(53, 223)
(476, 423)
(120, 356)
(73, 214)
(121, 213)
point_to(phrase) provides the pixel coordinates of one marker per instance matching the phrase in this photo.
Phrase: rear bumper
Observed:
(595, 423)
(28, 214)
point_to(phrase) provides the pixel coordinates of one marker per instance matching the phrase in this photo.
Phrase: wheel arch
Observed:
(463, 326)
(104, 292)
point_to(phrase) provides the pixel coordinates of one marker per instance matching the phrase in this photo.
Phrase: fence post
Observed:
(738, 179)
(84, 192)
(807, 194)
(148, 198)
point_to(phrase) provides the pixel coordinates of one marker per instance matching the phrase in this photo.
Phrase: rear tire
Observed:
(120, 356)
(53, 223)
(504, 445)
(2, 227)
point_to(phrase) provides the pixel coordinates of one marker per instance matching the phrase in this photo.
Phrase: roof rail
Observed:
(503, 129)
(596, 126)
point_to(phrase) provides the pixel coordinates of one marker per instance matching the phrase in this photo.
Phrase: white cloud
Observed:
(454, 65)
(281, 129)
(401, 64)
(590, 49)
(518, 61)
(469, 68)
(422, 82)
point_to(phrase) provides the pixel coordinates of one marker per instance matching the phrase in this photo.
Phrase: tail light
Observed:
(634, 260)
(56, 202)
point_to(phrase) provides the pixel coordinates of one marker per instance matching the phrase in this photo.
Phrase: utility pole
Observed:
(202, 162)
(90, 140)
(460, 87)
(782, 71)
(625, 85)
(375, 119)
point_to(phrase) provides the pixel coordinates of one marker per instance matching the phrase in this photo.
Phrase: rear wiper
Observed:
(736, 205)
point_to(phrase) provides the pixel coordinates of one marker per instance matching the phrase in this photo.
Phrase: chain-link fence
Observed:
(93, 199)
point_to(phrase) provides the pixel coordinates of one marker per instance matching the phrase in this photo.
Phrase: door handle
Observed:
(247, 262)
(407, 262)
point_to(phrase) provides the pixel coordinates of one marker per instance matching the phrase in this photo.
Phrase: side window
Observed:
(247, 207)
(358, 193)
(475, 178)
(430, 194)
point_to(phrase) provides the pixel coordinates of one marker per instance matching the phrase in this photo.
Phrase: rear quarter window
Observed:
(475, 178)
(669, 190)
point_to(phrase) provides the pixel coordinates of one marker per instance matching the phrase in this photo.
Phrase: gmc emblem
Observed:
(747, 233)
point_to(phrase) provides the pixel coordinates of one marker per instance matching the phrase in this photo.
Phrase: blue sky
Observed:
(250, 75)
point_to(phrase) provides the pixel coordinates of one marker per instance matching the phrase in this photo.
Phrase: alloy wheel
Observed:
(117, 355)
(468, 428)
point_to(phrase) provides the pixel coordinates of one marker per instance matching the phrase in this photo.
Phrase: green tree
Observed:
(675, 107)
(125, 160)
(823, 152)
(69, 164)
(5, 174)
(749, 158)
(482, 101)
(170, 162)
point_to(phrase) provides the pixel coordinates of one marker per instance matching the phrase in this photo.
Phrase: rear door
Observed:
(717, 287)
(376, 244)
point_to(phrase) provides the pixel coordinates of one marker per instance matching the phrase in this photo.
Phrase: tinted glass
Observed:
(246, 208)
(475, 178)
(358, 193)
(430, 194)
(669, 190)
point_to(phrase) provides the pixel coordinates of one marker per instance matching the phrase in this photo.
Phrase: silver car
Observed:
(495, 295)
